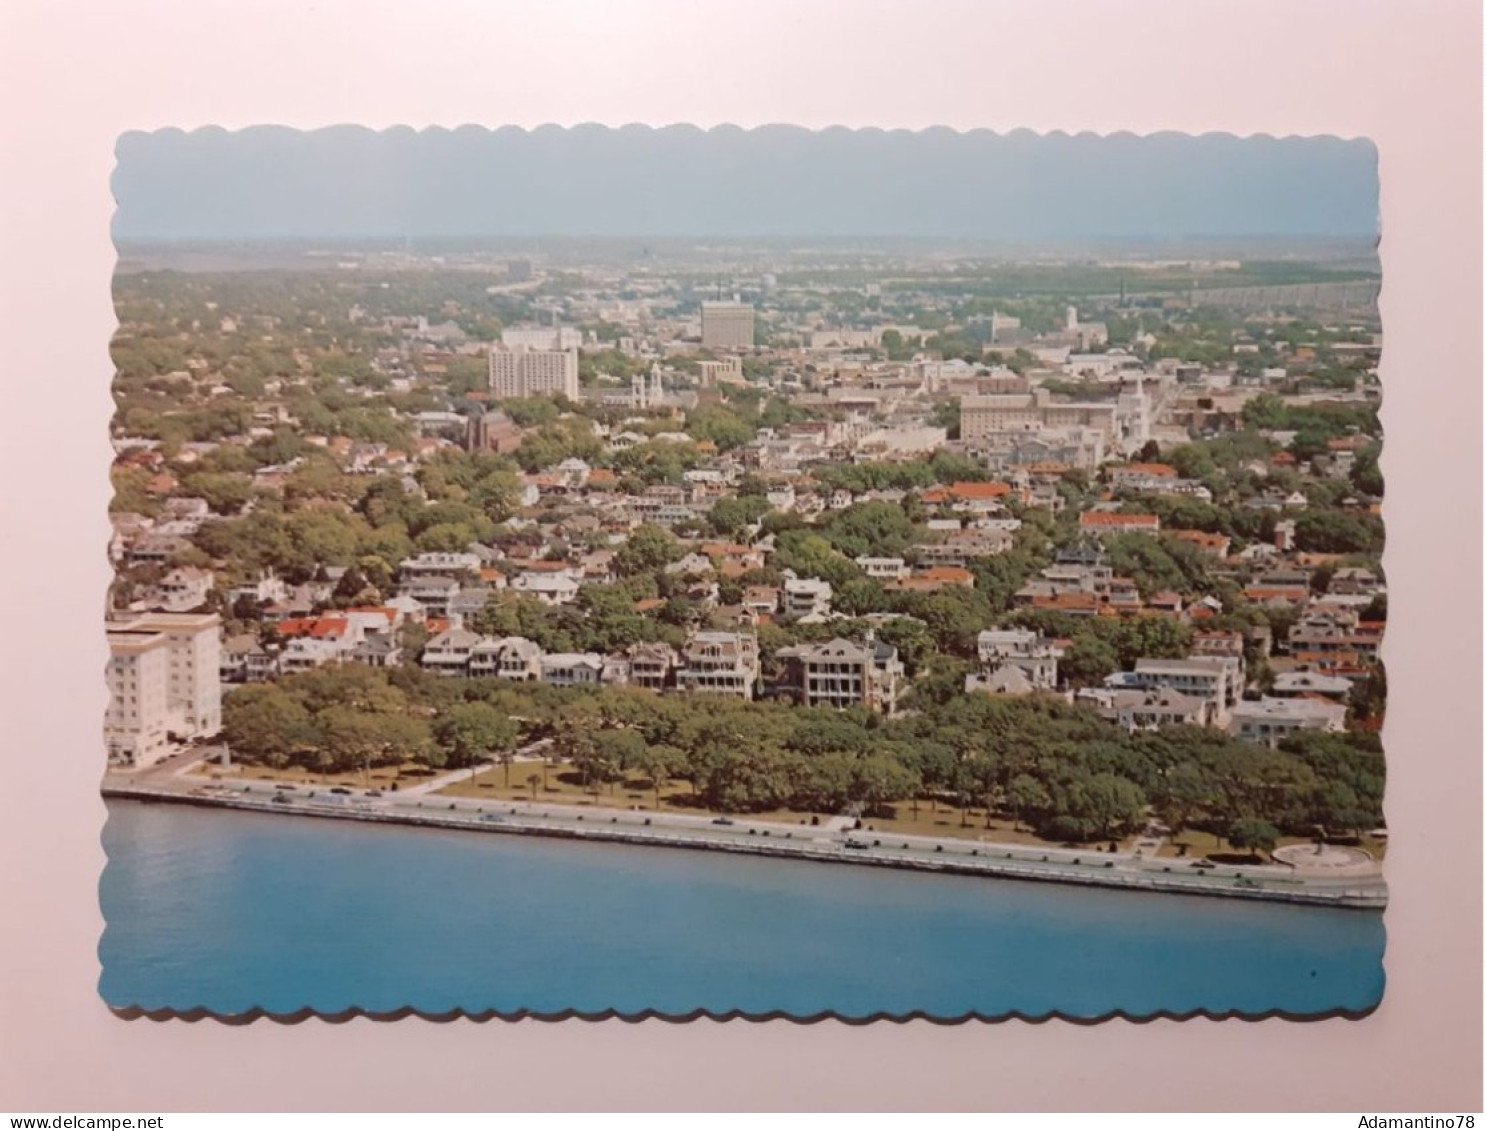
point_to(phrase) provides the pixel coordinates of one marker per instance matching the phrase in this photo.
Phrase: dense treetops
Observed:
(1060, 769)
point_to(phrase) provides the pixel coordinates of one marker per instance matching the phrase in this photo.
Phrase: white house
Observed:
(1268, 720)
(807, 597)
(572, 669)
(883, 569)
(549, 588)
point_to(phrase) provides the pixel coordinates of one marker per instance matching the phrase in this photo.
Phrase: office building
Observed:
(727, 325)
(526, 372)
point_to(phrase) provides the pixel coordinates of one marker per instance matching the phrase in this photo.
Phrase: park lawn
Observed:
(1202, 844)
(381, 777)
(565, 787)
(947, 823)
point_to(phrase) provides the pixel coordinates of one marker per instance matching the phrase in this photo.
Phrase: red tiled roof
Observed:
(969, 491)
(1165, 471)
(319, 628)
(1277, 593)
(951, 574)
(1107, 518)
(1202, 538)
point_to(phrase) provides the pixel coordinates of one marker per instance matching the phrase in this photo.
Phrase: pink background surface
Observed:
(75, 75)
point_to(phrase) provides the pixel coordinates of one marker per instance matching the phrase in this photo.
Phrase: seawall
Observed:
(980, 861)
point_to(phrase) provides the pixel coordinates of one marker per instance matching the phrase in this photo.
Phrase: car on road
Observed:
(859, 844)
(340, 789)
(1203, 864)
(723, 821)
(493, 819)
(374, 793)
(281, 799)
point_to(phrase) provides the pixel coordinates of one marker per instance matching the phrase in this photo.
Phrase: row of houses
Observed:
(1204, 689)
(840, 673)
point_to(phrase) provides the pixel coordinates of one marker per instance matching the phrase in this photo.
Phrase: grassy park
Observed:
(562, 784)
(1200, 844)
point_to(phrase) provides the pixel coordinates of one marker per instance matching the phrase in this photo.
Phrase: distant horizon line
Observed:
(993, 241)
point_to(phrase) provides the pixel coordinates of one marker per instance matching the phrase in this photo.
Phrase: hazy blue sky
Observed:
(351, 182)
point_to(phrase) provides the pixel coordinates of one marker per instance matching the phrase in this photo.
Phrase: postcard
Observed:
(769, 573)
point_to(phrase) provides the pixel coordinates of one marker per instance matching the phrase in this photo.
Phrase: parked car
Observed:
(340, 789)
(281, 799)
(723, 821)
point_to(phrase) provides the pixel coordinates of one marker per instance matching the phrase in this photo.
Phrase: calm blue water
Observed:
(229, 911)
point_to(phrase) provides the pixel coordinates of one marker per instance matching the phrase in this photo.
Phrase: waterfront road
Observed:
(1138, 869)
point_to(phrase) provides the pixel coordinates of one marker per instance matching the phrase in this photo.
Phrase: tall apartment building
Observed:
(136, 725)
(189, 645)
(526, 372)
(727, 325)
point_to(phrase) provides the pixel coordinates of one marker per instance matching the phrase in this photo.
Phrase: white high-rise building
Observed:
(137, 723)
(526, 372)
(193, 679)
(727, 325)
